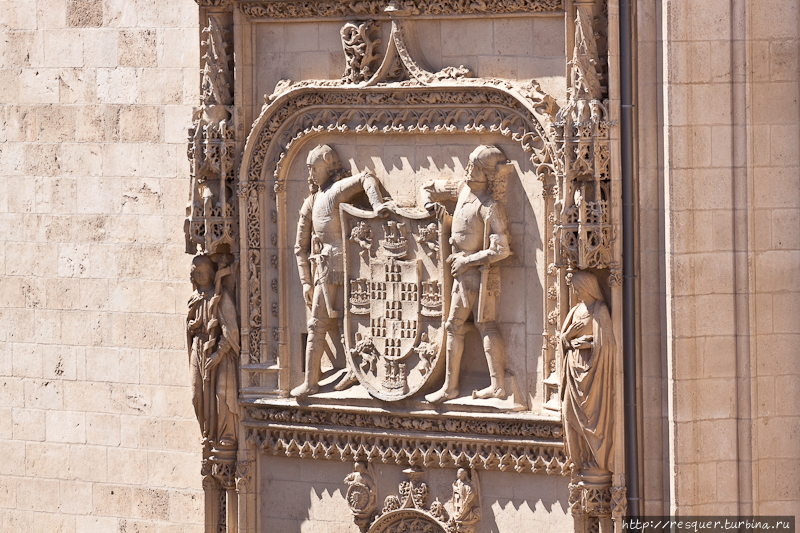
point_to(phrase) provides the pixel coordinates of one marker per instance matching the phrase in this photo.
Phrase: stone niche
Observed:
(378, 189)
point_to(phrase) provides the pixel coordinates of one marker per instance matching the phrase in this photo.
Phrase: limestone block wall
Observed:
(96, 425)
(731, 194)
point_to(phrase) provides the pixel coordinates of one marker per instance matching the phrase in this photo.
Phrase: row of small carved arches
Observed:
(491, 96)
(407, 121)
(531, 459)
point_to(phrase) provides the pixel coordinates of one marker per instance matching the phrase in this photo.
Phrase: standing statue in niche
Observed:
(213, 342)
(586, 352)
(361, 493)
(466, 503)
(479, 236)
(318, 249)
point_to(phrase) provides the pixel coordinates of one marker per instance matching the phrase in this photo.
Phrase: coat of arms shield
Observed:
(396, 299)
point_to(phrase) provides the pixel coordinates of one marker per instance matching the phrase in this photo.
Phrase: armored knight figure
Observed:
(319, 252)
(479, 239)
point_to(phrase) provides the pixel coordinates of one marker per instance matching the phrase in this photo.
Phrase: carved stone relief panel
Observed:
(410, 208)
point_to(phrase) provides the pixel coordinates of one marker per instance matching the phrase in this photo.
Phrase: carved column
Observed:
(214, 504)
(211, 232)
(246, 491)
(584, 236)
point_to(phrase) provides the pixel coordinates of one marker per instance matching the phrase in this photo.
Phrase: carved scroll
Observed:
(360, 45)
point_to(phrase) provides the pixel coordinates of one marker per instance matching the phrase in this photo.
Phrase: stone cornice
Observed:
(489, 443)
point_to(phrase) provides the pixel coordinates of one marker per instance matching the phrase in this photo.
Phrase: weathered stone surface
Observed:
(96, 96)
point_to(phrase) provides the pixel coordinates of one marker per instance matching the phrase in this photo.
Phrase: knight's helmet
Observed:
(327, 154)
(492, 161)
(487, 158)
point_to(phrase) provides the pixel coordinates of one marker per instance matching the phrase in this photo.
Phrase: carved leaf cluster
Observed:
(337, 8)
(505, 428)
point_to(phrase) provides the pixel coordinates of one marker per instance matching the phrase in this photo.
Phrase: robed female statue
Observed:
(586, 352)
(213, 342)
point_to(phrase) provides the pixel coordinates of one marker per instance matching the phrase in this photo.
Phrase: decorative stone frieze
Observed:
(483, 442)
(287, 9)
(547, 429)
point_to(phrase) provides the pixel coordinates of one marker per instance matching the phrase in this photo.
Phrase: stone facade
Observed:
(96, 407)
(97, 430)
(718, 189)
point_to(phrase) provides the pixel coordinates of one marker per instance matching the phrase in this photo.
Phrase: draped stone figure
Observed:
(586, 352)
(466, 503)
(479, 236)
(318, 249)
(213, 342)
(361, 493)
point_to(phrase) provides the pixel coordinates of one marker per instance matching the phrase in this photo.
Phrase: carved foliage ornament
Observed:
(337, 8)
(451, 425)
(360, 50)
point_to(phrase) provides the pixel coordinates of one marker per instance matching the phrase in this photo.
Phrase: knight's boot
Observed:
(495, 358)
(453, 352)
(314, 351)
(347, 381)
(445, 393)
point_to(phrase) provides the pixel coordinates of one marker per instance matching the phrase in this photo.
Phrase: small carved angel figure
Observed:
(429, 238)
(427, 353)
(366, 349)
(362, 235)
